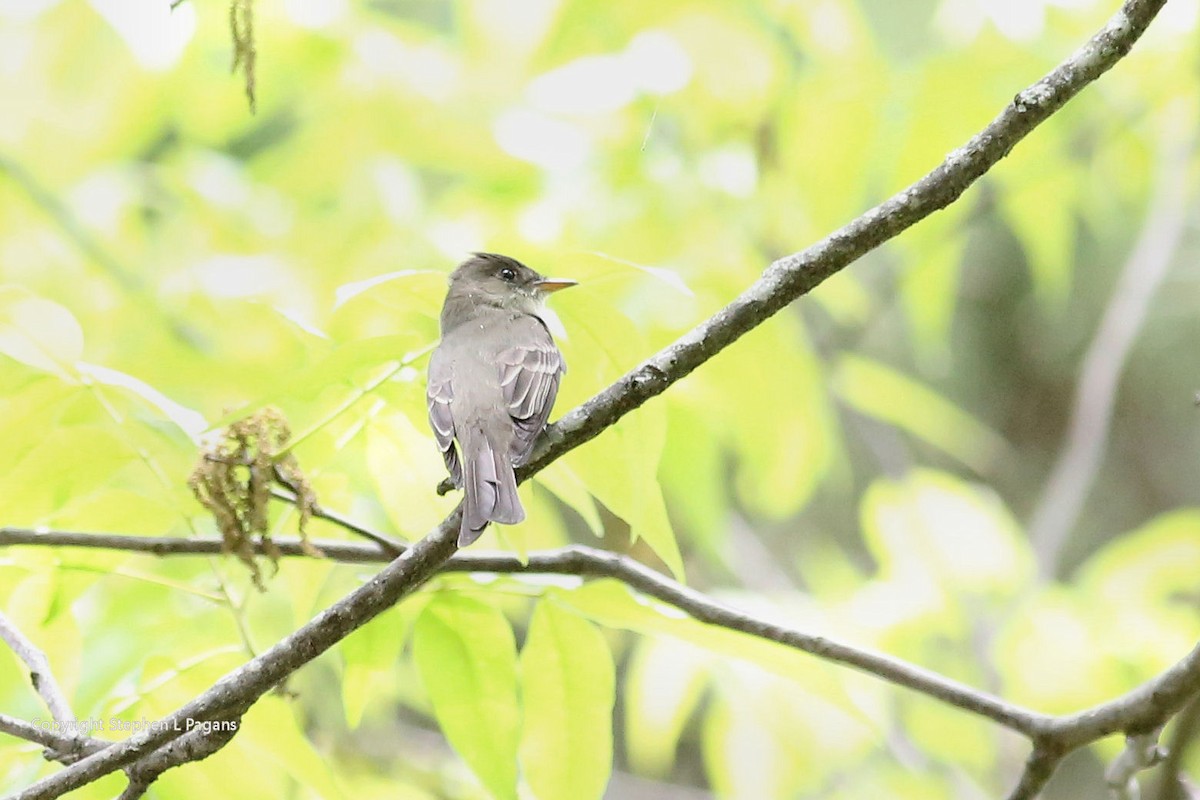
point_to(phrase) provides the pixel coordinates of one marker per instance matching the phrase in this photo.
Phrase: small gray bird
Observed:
(492, 382)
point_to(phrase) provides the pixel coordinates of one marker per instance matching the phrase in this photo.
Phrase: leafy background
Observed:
(865, 465)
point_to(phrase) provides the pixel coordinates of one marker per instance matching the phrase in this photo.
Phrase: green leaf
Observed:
(744, 753)
(590, 268)
(568, 685)
(116, 509)
(693, 476)
(1142, 590)
(934, 530)
(568, 487)
(27, 414)
(271, 754)
(783, 438)
(406, 467)
(39, 333)
(467, 660)
(1041, 207)
(348, 291)
(966, 740)
(664, 684)
(932, 254)
(401, 305)
(188, 420)
(1156, 563)
(632, 492)
(34, 601)
(542, 527)
(370, 656)
(768, 736)
(598, 350)
(614, 605)
(339, 379)
(891, 396)
(68, 462)
(1058, 626)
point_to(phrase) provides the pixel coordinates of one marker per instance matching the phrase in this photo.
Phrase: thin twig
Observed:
(390, 547)
(1139, 710)
(1141, 752)
(39, 673)
(70, 743)
(1187, 725)
(1040, 765)
(58, 746)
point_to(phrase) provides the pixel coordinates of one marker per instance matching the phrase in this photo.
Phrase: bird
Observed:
(493, 379)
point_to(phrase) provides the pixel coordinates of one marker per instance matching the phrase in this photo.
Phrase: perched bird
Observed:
(492, 382)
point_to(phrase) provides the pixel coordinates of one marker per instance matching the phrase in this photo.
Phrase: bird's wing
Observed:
(438, 394)
(529, 374)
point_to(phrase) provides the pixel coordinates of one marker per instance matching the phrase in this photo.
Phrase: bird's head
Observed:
(496, 280)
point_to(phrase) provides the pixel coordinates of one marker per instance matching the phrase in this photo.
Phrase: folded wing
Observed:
(529, 376)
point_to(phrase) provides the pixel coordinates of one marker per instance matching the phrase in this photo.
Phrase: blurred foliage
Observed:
(861, 466)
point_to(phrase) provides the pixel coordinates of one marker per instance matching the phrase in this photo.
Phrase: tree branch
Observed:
(797, 274)
(1138, 713)
(1171, 784)
(781, 283)
(1141, 752)
(68, 742)
(1040, 765)
(58, 746)
(1079, 461)
(195, 745)
(1141, 709)
(39, 673)
(590, 562)
(332, 549)
(386, 543)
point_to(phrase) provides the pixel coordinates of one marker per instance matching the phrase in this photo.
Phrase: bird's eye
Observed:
(508, 274)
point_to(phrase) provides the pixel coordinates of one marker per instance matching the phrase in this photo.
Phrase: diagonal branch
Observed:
(797, 274)
(195, 745)
(782, 282)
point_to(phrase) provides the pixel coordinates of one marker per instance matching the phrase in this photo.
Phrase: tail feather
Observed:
(491, 492)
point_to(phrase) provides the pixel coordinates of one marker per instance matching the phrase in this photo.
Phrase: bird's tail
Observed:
(491, 490)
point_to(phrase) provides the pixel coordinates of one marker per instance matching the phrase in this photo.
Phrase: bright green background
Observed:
(864, 465)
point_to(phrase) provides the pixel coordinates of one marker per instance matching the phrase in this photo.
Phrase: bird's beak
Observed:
(551, 285)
